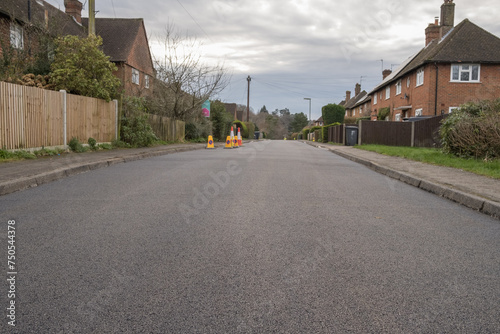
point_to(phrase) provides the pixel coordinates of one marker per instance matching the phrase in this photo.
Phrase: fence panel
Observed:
(31, 117)
(335, 134)
(89, 117)
(427, 132)
(166, 129)
(386, 133)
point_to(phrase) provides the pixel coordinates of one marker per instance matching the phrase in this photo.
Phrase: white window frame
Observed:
(398, 87)
(16, 36)
(375, 99)
(420, 77)
(462, 69)
(408, 82)
(135, 76)
(418, 112)
(398, 117)
(388, 92)
(146, 80)
(451, 109)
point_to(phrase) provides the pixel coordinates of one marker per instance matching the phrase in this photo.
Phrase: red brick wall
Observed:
(450, 94)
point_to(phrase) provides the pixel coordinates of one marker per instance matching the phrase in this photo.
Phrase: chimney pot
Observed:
(357, 90)
(74, 8)
(347, 96)
(386, 73)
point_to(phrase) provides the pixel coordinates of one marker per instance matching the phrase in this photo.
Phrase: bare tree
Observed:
(184, 81)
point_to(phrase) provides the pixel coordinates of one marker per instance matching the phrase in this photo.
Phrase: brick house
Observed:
(124, 40)
(24, 22)
(458, 64)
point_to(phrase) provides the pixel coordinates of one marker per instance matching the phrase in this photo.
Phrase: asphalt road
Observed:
(274, 237)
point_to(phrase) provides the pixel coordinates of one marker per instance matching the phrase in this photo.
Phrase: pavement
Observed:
(476, 192)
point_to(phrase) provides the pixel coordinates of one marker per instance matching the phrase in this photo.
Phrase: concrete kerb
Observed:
(60, 173)
(468, 200)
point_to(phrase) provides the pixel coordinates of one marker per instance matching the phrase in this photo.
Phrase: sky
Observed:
(296, 49)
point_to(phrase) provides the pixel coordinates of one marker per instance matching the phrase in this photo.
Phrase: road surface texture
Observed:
(273, 237)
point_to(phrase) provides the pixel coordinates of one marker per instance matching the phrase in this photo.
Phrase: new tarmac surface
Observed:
(274, 237)
(476, 192)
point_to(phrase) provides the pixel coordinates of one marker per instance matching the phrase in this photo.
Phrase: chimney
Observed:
(432, 32)
(347, 96)
(357, 90)
(74, 8)
(447, 17)
(386, 73)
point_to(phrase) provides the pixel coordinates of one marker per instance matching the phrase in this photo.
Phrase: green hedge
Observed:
(251, 130)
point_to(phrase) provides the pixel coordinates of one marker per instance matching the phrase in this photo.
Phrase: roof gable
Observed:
(120, 36)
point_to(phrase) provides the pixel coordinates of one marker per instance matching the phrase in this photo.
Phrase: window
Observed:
(135, 76)
(408, 82)
(398, 117)
(375, 99)
(146, 81)
(16, 36)
(398, 87)
(418, 112)
(420, 77)
(465, 73)
(452, 109)
(388, 92)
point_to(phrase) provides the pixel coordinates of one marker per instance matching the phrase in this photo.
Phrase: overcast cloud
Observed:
(298, 48)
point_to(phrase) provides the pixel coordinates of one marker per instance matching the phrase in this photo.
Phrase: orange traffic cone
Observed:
(229, 143)
(240, 142)
(210, 142)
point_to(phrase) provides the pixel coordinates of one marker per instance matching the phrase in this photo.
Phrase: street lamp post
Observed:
(308, 98)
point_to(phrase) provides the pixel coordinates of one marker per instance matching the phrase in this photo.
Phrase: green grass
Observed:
(437, 157)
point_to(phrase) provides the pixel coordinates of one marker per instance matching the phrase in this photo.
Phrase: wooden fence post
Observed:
(65, 108)
(359, 132)
(412, 134)
(116, 119)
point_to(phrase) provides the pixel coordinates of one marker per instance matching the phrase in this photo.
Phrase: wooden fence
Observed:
(32, 118)
(421, 133)
(167, 129)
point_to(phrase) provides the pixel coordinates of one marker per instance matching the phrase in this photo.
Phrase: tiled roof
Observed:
(466, 43)
(60, 23)
(353, 101)
(118, 36)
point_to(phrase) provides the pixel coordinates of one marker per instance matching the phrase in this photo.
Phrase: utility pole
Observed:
(91, 17)
(248, 99)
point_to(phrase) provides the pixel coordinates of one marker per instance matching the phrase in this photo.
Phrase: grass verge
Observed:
(437, 157)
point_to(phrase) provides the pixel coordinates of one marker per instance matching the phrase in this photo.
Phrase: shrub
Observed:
(221, 120)
(137, 132)
(473, 130)
(383, 113)
(305, 132)
(333, 113)
(243, 129)
(251, 129)
(93, 144)
(75, 146)
(318, 136)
